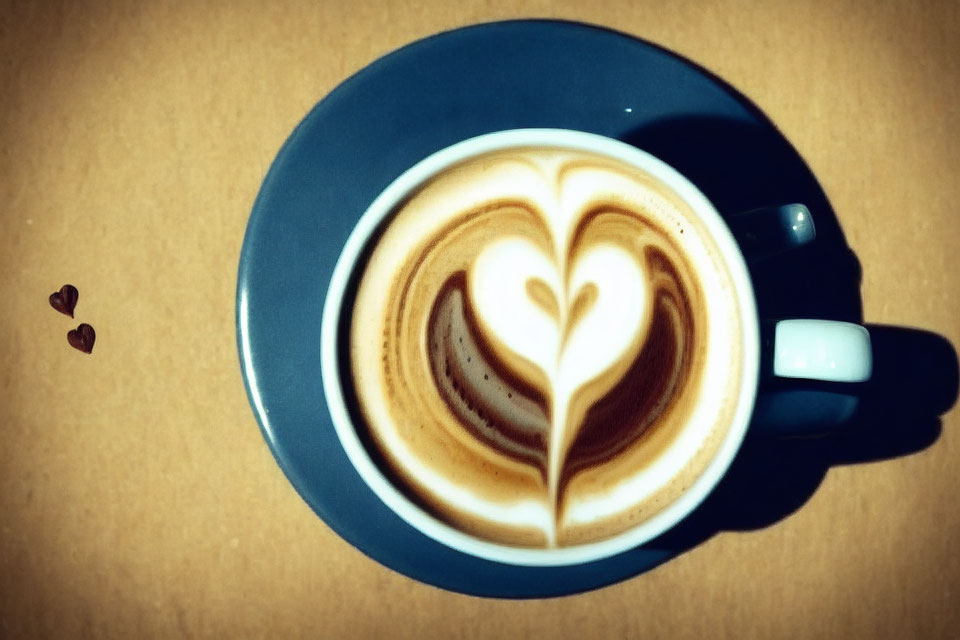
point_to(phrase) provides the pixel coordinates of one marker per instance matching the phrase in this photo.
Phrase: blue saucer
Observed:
(379, 122)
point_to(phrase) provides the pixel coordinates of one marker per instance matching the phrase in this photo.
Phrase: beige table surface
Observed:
(137, 496)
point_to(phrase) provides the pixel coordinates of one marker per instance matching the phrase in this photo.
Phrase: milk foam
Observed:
(562, 303)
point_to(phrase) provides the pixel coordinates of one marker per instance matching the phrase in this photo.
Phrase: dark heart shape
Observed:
(82, 338)
(65, 300)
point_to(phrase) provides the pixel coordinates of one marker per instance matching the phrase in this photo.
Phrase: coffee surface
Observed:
(543, 347)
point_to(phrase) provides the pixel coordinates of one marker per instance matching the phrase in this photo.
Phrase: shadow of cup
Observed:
(915, 378)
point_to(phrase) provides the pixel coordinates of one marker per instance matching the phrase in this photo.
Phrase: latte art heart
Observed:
(571, 342)
(529, 345)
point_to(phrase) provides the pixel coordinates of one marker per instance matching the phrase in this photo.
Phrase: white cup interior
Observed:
(334, 314)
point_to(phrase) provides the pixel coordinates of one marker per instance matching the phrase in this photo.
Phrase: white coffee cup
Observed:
(812, 349)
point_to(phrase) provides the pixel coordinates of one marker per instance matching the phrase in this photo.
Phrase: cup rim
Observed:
(333, 316)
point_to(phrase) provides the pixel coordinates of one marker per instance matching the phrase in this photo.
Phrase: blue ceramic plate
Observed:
(400, 109)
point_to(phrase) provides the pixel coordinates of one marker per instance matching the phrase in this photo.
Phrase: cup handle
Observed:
(812, 375)
(810, 368)
(826, 350)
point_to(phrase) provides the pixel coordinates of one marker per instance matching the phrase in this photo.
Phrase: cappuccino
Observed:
(544, 347)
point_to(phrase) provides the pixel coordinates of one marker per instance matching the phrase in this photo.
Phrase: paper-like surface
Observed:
(137, 496)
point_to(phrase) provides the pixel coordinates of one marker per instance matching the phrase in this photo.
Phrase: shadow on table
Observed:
(740, 167)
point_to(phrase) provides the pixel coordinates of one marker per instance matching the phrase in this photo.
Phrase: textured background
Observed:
(137, 496)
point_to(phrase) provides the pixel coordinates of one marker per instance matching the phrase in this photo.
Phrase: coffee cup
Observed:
(541, 347)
